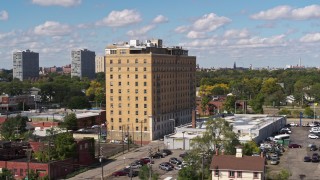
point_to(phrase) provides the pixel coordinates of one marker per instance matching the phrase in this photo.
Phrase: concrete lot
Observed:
(155, 167)
(292, 159)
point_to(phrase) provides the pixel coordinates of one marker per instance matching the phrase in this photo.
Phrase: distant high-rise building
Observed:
(100, 64)
(83, 63)
(150, 89)
(25, 65)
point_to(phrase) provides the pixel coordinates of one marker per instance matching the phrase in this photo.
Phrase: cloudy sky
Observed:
(262, 33)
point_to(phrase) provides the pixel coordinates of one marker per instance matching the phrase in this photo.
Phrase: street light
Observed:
(183, 140)
(101, 166)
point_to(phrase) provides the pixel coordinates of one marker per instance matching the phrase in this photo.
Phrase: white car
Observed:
(178, 167)
(313, 136)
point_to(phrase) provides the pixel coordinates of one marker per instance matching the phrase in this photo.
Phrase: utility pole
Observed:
(122, 140)
(101, 162)
(150, 165)
(99, 153)
(29, 157)
(141, 132)
(128, 138)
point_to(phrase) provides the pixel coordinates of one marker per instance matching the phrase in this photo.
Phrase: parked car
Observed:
(169, 164)
(313, 136)
(134, 166)
(178, 167)
(165, 166)
(307, 159)
(174, 160)
(147, 160)
(133, 173)
(157, 156)
(184, 154)
(312, 147)
(167, 151)
(122, 172)
(274, 161)
(294, 146)
(315, 157)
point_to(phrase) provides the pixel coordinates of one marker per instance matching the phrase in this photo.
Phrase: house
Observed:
(237, 166)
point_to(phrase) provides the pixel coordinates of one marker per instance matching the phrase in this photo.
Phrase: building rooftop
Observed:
(231, 162)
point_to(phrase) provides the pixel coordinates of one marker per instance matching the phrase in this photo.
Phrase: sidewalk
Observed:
(119, 161)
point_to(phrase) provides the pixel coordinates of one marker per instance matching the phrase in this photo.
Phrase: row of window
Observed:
(128, 69)
(128, 98)
(232, 174)
(137, 128)
(128, 120)
(128, 76)
(128, 91)
(120, 112)
(136, 61)
(154, 61)
(120, 105)
(24, 172)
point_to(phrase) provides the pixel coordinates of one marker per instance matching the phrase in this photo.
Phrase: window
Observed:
(119, 76)
(216, 173)
(128, 83)
(145, 128)
(119, 91)
(111, 90)
(111, 69)
(231, 173)
(127, 61)
(137, 128)
(137, 91)
(145, 112)
(111, 112)
(119, 61)
(119, 105)
(119, 83)
(111, 105)
(120, 127)
(128, 76)
(136, 61)
(135, 69)
(128, 119)
(137, 99)
(144, 76)
(144, 61)
(136, 83)
(128, 69)
(137, 112)
(111, 127)
(145, 98)
(145, 83)
(239, 174)
(111, 61)
(119, 69)
(145, 105)
(145, 91)
(120, 120)
(119, 98)
(111, 83)
(137, 121)
(111, 98)
(144, 69)
(111, 119)
(136, 76)
(111, 76)
(145, 121)
(255, 175)
(137, 106)
(128, 90)
(128, 112)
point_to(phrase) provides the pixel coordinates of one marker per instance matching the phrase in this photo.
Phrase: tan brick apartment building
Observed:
(149, 89)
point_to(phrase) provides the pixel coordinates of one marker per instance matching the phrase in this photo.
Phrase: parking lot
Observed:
(292, 159)
(155, 167)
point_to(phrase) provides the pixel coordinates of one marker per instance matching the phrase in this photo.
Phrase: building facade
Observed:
(83, 63)
(150, 89)
(25, 65)
(100, 64)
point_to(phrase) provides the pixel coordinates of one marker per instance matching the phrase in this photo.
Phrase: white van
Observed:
(281, 137)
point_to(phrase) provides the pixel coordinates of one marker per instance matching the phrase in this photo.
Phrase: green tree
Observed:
(6, 174)
(13, 128)
(144, 173)
(64, 146)
(284, 111)
(257, 104)
(33, 175)
(282, 175)
(229, 103)
(79, 102)
(187, 173)
(97, 91)
(204, 103)
(249, 148)
(308, 112)
(70, 122)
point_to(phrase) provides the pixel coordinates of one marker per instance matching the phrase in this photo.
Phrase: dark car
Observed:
(294, 146)
(174, 160)
(307, 159)
(147, 160)
(157, 156)
(184, 154)
(122, 172)
(313, 147)
(167, 151)
(169, 164)
(315, 157)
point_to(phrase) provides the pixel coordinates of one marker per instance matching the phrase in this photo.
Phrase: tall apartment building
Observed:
(25, 64)
(150, 89)
(83, 63)
(100, 64)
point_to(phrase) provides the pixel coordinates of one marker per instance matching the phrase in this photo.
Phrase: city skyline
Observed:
(270, 33)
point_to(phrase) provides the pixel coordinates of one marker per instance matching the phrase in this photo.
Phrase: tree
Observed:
(144, 173)
(97, 91)
(70, 122)
(79, 102)
(6, 174)
(308, 112)
(64, 146)
(13, 128)
(229, 104)
(204, 103)
(257, 104)
(33, 175)
(187, 173)
(249, 148)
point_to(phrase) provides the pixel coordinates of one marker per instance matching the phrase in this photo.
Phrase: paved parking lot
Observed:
(155, 167)
(292, 159)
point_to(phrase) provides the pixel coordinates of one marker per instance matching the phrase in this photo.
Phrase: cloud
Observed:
(52, 28)
(120, 18)
(196, 35)
(141, 31)
(64, 3)
(160, 19)
(287, 12)
(4, 15)
(278, 40)
(312, 37)
(209, 22)
(234, 33)
(6, 35)
(181, 29)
